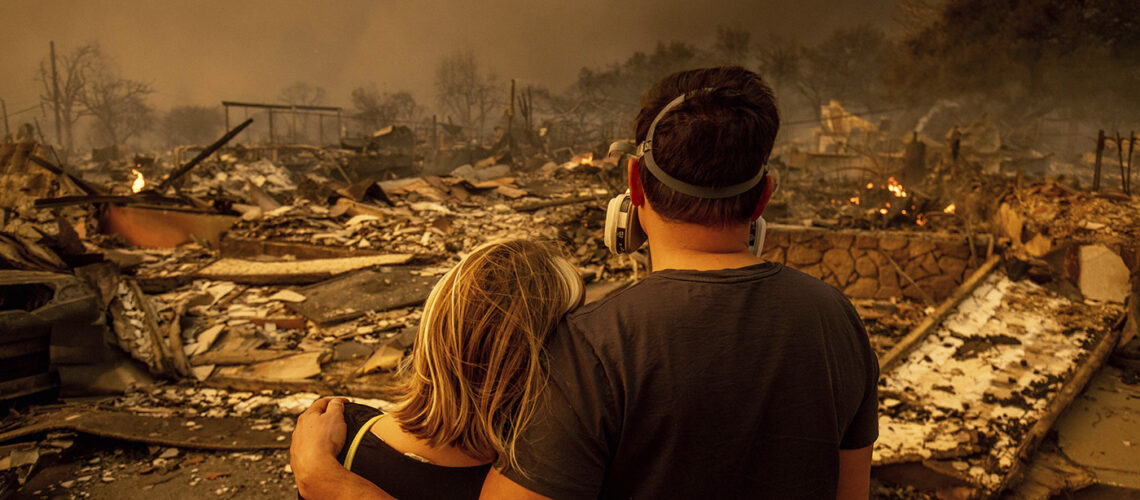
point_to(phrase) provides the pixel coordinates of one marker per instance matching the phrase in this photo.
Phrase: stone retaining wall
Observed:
(857, 262)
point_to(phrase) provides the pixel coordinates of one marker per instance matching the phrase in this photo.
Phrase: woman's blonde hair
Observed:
(475, 368)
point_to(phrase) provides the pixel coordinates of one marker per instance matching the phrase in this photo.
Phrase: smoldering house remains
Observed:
(201, 298)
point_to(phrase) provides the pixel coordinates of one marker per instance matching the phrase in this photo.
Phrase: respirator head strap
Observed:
(645, 151)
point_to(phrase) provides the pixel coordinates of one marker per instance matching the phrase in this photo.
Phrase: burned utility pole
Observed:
(510, 121)
(1099, 154)
(1131, 145)
(55, 95)
(1120, 155)
(434, 134)
(4, 110)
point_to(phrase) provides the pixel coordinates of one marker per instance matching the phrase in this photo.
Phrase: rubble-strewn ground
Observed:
(112, 470)
(316, 290)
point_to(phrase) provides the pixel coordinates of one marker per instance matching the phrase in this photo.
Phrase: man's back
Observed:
(730, 383)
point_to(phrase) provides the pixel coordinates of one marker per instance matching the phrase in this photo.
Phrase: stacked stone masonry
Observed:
(856, 261)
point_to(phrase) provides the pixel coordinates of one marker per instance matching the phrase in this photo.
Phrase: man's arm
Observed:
(317, 439)
(498, 486)
(854, 474)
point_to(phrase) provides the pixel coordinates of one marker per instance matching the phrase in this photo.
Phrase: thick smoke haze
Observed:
(202, 52)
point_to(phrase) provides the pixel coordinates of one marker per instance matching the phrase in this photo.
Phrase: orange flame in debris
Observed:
(854, 200)
(920, 220)
(950, 208)
(139, 182)
(870, 185)
(896, 188)
(588, 160)
(883, 211)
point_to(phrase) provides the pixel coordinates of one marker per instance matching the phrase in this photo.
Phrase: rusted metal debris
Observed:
(161, 227)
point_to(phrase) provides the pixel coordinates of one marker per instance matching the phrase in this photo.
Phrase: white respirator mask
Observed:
(624, 235)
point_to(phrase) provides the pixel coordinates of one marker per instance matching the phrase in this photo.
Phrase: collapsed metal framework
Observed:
(292, 111)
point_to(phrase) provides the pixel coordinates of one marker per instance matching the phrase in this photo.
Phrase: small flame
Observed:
(854, 200)
(896, 188)
(920, 219)
(139, 182)
(950, 208)
(588, 160)
(870, 185)
(883, 211)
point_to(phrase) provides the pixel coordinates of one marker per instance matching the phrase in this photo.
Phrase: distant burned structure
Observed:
(276, 113)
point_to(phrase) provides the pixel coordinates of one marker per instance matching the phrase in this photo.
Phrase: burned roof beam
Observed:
(175, 175)
(57, 170)
(65, 201)
(298, 107)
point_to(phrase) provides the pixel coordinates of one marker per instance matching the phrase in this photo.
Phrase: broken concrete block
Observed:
(386, 358)
(1103, 275)
(287, 296)
(297, 367)
(465, 171)
(206, 339)
(510, 192)
(493, 172)
(201, 373)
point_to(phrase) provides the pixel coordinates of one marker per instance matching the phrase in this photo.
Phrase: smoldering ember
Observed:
(177, 287)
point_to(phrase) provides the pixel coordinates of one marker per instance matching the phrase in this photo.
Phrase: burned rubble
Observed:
(189, 309)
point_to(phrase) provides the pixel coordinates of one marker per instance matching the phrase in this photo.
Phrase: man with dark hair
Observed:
(720, 375)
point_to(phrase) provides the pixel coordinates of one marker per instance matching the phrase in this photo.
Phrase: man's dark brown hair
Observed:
(720, 135)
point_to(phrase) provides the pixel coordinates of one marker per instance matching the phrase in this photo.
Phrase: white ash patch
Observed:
(972, 388)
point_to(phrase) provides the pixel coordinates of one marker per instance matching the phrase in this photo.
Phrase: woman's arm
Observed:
(318, 437)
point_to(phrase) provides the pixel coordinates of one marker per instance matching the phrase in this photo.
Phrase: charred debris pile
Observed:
(238, 280)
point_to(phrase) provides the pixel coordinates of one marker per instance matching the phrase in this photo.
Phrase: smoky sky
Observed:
(201, 52)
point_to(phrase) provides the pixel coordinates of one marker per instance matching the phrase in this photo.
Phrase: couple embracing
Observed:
(718, 376)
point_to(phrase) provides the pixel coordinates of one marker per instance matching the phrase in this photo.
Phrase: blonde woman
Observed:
(471, 383)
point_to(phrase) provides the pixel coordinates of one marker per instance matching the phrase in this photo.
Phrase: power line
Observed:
(25, 110)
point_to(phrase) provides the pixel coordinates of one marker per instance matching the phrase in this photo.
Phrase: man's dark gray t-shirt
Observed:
(695, 384)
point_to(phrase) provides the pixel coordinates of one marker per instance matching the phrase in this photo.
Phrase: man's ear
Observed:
(636, 194)
(765, 196)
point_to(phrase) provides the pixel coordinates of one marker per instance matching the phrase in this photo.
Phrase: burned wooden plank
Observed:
(1068, 393)
(246, 247)
(293, 272)
(930, 322)
(351, 296)
(294, 367)
(239, 357)
(88, 188)
(203, 433)
(145, 198)
(163, 359)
